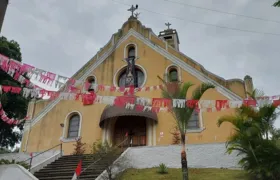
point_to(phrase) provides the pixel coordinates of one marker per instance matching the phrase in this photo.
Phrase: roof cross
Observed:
(168, 25)
(132, 9)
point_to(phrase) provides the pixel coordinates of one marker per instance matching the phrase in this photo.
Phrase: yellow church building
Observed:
(61, 121)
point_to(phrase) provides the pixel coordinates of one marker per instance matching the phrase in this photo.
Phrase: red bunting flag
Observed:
(78, 171)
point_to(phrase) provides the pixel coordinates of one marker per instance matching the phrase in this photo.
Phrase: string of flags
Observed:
(22, 72)
(10, 121)
(19, 71)
(148, 104)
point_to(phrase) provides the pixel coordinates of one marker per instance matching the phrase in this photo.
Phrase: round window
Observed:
(140, 77)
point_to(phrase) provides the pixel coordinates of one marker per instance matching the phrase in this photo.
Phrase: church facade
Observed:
(61, 121)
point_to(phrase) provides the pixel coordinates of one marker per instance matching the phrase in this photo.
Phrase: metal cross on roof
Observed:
(132, 9)
(168, 25)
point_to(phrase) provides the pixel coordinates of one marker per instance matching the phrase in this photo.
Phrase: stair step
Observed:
(70, 169)
(49, 171)
(73, 166)
(66, 173)
(64, 167)
(69, 177)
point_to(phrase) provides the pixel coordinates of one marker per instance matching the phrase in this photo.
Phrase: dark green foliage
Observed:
(14, 105)
(23, 164)
(260, 155)
(4, 150)
(277, 3)
(162, 169)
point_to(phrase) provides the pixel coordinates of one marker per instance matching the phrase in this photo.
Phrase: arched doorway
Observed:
(134, 127)
(117, 121)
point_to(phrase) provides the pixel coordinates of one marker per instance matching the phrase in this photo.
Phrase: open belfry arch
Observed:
(134, 56)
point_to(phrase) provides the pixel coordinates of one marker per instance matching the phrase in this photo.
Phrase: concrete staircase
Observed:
(64, 168)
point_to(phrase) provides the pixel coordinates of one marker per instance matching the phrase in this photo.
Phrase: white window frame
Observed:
(64, 137)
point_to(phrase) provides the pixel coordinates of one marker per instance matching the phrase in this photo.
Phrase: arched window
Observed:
(194, 121)
(139, 76)
(131, 52)
(173, 75)
(91, 81)
(73, 126)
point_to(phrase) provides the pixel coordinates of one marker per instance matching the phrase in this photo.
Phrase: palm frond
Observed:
(277, 4)
(256, 94)
(200, 90)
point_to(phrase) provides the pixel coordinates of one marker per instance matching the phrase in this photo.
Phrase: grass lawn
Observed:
(195, 174)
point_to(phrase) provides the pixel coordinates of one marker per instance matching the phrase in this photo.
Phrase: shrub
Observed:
(5, 161)
(79, 147)
(176, 135)
(162, 169)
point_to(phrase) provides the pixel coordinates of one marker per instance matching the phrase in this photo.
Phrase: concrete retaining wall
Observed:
(199, 156)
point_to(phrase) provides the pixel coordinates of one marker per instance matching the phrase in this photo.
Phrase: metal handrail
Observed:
(31, 158)
(102, 157)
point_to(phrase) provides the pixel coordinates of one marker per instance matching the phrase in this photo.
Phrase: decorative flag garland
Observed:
(8, 120)
(18, 70)
(137, 103)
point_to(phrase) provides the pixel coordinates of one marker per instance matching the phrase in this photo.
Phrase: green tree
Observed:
(277, 3)
(14, 105)
(176, 90)
(260, 154)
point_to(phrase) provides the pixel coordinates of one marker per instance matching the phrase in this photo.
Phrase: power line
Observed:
(197, 22)
(223, 12)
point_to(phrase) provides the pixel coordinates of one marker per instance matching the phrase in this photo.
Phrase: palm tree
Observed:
(277, 3)
(176, 90)
(251, 139)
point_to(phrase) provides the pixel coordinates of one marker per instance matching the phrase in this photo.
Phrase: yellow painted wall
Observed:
(47, 132)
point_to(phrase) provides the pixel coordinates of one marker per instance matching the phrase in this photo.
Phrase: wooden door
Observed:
(136, 129)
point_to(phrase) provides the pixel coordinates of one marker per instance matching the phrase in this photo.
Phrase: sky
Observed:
(62, 35)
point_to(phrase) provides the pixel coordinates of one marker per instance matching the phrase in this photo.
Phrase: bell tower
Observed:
(170, 36)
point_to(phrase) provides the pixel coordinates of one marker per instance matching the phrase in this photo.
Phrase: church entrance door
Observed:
(134, 127)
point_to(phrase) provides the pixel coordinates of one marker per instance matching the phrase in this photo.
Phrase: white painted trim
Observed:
(195, 130)
(226, 92)
(125, 51)
(179, 72)
(118, 72)
(63, 138)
